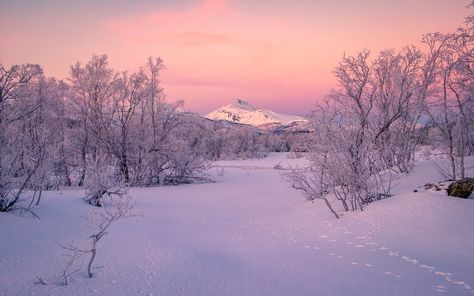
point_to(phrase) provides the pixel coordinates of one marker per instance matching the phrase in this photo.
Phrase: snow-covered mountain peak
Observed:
(244, 105)
(243, 112)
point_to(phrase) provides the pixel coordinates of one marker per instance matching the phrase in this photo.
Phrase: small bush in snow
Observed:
(99, 221)
(278, 166)
(102, 180)
(220, 172)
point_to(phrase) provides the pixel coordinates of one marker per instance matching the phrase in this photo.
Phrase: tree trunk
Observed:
(330, 207)
(124, 160)
(452, 159)
(91, 260)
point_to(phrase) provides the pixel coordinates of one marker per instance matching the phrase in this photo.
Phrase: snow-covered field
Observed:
(250, 234)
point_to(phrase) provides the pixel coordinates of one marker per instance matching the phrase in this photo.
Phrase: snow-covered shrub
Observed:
(311, 184)
(278, 166)
(102, 179)
(184, 165)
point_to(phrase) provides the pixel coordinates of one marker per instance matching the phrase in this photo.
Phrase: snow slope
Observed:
(249, 234)
(243, 112)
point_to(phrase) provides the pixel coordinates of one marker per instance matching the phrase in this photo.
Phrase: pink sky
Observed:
(276, 54)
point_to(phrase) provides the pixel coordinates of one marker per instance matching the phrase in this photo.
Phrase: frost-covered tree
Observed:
(122, 120)
(131, 91)
(450, 101)
(398, 105)
(27, 131)
(370, 124)
(93, 86)
(365, 127)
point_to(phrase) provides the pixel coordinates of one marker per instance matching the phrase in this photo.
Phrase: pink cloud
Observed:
(186, 23)
(183, 80)
(198, 38)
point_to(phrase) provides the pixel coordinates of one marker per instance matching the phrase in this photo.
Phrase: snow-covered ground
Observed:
(250, 234)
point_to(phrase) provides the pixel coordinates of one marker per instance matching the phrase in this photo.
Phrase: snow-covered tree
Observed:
(23, 133)
(451, 97)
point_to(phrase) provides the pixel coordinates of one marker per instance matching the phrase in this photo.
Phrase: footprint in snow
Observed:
(441, 287)
(460, 283)
(442, 273)
(414, 261)
(445, 275)
(429, 268)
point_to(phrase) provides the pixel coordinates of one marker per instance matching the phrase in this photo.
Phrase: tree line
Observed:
(101, 128)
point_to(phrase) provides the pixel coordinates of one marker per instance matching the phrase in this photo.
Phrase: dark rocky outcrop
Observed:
(462, 188)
